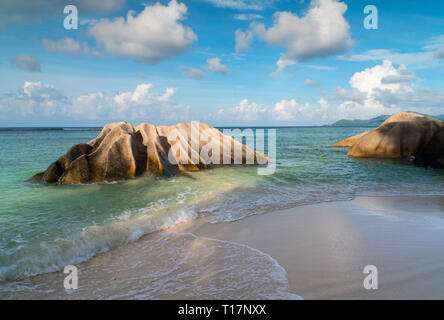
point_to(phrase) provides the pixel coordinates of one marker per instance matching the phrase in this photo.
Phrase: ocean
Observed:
(46, 227)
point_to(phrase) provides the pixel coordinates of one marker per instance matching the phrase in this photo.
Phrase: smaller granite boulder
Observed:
(402, 135)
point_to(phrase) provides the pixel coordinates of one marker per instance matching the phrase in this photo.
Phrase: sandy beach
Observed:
(315, 252)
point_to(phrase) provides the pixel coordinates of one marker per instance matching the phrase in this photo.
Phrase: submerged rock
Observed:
(122, 151)
(402, 135)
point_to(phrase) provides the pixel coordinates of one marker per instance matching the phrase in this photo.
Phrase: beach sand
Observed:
(316, 251)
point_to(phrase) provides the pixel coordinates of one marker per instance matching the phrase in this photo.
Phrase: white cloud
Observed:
(316, 67)
(247, 16)
(355, 95)
(322, 31)
(245, 111)
(411, 59)
(193, 73)
(38, 101)
(69, 46)
(155, 34)
(214, 65)
(282, 111)
(434, 43)
(384, 89)
(311, 83)
(286, 110)
(371, 79)
(141, 104)
(366, 86)
(34, 98)
(88, 22)
(428, 57)
(242, 4)
(243, 39)
(26, 62)
(19, 11)
(396, 79)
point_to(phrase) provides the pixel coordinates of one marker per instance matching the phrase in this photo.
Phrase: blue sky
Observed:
(177, 61)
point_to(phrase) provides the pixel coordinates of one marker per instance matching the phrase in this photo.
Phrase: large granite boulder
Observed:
(433, 153)
(122, 151)
(402, 135)
(349, 142)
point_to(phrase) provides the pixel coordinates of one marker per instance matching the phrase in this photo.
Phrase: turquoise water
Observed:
(43, 228)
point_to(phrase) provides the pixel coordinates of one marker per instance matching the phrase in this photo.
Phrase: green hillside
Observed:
(374, 122)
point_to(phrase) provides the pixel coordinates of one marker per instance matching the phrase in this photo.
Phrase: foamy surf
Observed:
(168, 202)
(168, 265)
(50, 257)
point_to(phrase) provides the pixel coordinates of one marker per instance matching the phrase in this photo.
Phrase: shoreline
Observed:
(315, 251)
(325, 247)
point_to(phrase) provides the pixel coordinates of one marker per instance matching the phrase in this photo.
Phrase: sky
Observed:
(224, 62)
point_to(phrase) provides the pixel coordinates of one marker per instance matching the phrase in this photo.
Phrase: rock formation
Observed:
(433, 153)
(122, 151)
(402, 135)
(349, 142)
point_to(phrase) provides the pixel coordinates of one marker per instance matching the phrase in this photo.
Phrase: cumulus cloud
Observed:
(153, 35)
(311, 83)
(282, 111)
(290, 109)
(37, 100)
(193, 73)
(142, 103)
(381, 89)
(322, 31)
(396, 79)
(69, 46)
(243, 39)
(440, 53)
(247, 111)
(214, 65)
(371, 79)
(363, 100)
(26, 62)
(19, 11)
(355, 95)
(384, 89)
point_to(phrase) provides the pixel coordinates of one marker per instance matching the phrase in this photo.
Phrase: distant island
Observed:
(373, 122)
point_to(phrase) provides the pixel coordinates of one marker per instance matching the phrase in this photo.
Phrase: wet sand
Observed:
(315, 251)
(325, 247)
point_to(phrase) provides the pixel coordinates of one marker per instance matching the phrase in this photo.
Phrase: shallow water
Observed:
(44, 228)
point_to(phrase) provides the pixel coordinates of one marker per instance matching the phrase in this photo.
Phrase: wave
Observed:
(95, 239)
(170, 265)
